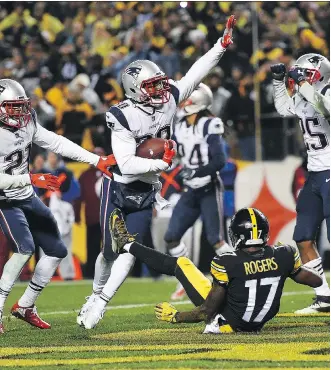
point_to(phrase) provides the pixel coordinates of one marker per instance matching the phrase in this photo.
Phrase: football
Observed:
(151, 148)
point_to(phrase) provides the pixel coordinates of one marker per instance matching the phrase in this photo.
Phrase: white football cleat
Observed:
(320, 304)
(179, 293)
(93, 316)
(86, 306)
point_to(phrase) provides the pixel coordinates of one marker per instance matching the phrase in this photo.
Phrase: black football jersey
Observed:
(254, 284)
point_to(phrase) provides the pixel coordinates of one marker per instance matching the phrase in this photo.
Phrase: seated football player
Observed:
(202, 155)
(247, 283)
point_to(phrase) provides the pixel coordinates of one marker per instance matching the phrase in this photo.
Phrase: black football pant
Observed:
(196, 285)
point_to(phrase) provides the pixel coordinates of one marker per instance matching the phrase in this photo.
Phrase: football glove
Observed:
(169, 151)
(278, 71)
(297, 74)
(165, 312)
(226, 40)
(186, 173)
(105, 163)
(45, 181)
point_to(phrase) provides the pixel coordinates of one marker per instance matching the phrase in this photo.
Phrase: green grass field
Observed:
(129, 337)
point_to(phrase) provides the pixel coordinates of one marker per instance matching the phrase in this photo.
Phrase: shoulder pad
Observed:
(216, 126)
(289, 248)
(122, 105)
(116, 119)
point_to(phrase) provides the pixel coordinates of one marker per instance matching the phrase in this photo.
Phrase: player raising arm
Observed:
(24, 219)
(309, 80)
(247, 283)
(148, 112)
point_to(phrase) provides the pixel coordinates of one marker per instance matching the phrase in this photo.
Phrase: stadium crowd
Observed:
(69, 55)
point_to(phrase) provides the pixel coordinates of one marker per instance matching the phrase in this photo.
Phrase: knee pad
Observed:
(60, 251)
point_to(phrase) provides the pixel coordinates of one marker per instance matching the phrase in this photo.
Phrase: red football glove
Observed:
(169, 151)
(226, 40)
(45, 181)
(106, 162)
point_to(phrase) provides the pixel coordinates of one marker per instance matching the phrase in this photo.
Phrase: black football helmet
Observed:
(249, 227)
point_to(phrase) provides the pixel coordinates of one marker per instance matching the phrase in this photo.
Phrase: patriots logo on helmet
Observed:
(133, 71)
(315, 60)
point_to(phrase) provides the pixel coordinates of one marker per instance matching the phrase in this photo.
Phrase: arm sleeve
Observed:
(60, 145)
(198, 71)
(124, 149)
(218, 272)
(319, 100)
(14, 181)
(283, 103)
(217, 154)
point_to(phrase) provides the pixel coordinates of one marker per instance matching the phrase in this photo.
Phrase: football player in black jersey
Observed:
(247, 283)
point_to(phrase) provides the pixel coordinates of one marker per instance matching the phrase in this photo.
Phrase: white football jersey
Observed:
(192, 145)
(15, 147)
(316, 134)
(128, 119)
(314, 124)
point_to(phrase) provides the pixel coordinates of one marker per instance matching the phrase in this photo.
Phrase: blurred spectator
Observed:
(73, 115)
(90, 185)
(70, 188)
(240, 112)
(220, 94)
(99, 39)
(30, 78)
(82, 83)
(65, 218)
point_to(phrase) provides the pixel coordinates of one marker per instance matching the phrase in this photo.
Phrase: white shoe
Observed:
(93, 316)
(179, 293)
(86, 306)
(320, 304)
(213, 326)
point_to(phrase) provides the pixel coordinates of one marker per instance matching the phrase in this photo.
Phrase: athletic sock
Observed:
(101, 274)
(11, 272)
(179, 251)
(224, 248)
(43, 273)
(160, 262)
(119, 271)
(317, 266)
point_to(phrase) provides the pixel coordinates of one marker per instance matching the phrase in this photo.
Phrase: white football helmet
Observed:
(317, 67)
(144, 82)
(15, 106)
(199, 100)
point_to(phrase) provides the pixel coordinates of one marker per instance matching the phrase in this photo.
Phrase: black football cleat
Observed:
(119, 233)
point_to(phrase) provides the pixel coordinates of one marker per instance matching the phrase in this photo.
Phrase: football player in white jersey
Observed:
(202, 155)
(148, 112)
(310, 76)
(24, 218)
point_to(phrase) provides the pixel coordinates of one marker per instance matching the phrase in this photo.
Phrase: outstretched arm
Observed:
(61, 145)
(202, 66)
(166, 312)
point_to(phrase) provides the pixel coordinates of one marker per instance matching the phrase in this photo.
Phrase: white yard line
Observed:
(139, 305)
